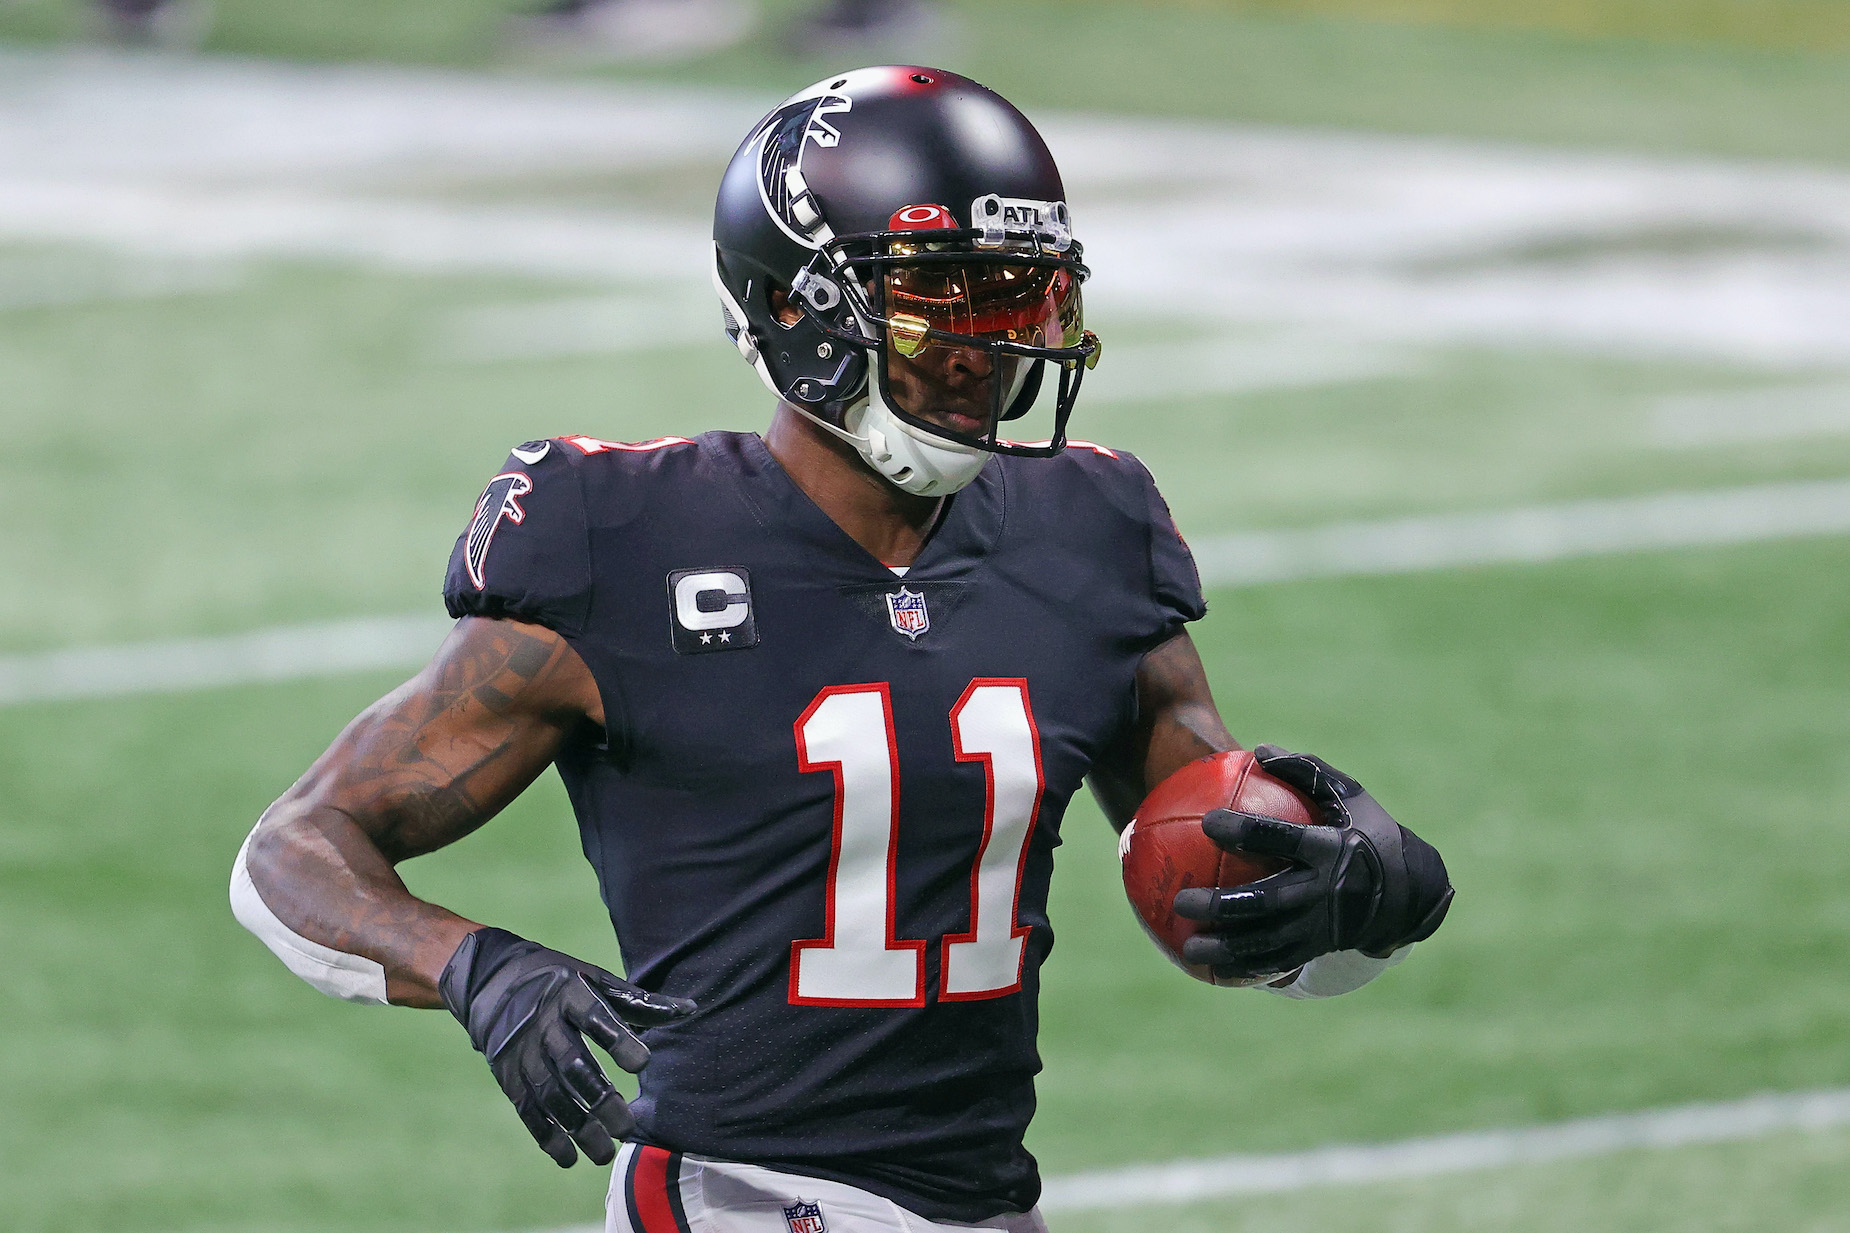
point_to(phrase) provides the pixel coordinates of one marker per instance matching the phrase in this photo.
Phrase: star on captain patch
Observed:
(906, 609)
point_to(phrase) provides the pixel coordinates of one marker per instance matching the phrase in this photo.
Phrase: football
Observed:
(1164, 849)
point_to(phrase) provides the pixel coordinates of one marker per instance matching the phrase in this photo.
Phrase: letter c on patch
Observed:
(715, 600)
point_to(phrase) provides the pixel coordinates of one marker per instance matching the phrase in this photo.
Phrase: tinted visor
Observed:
(984, 298)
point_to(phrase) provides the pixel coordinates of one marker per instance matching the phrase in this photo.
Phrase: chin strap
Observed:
(910, 459)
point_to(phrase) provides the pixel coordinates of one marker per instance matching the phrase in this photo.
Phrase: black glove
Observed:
(1363, 883)
(528, 1010)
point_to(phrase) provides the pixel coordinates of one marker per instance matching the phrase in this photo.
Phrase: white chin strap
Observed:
(911, 459)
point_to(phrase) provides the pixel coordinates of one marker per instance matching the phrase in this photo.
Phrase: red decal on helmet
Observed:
(921, 218)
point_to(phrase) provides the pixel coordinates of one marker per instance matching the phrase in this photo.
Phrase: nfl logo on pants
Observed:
(804, 1217)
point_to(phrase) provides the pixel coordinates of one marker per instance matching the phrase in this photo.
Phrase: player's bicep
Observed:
(1176, 723)
(442, 754)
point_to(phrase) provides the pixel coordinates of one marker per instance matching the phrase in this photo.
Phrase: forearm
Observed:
(324, 881)
(421, 768)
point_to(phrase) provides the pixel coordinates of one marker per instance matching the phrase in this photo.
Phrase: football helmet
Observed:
(899, 216)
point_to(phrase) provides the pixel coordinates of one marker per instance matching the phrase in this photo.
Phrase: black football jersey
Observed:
(827, 799)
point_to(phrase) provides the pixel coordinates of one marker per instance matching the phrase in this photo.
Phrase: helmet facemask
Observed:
(940, 315)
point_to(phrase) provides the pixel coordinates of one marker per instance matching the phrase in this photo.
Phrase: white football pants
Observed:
(653, 1190)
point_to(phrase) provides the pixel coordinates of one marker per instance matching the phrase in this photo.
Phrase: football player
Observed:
(820, 699)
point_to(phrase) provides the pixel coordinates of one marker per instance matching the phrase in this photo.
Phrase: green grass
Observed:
(1637, 767)
(1397, 66)
(1621, 761)
(1793, 1184)
(299, 445)
(1760, 23)
(291, 449)
(1632, 766)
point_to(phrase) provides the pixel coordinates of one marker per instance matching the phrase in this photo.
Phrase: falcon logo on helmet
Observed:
(860, 225)
(821, 131)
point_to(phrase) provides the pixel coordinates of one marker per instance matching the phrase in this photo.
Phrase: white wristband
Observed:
(351, 978)
(1337, 973)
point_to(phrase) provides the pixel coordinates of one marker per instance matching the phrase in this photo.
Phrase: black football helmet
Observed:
(900, 208)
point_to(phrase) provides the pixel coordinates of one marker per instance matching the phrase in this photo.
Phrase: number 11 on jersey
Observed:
(848, 730)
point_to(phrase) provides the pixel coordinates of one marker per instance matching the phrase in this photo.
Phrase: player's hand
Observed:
(529, 1010)
(1364, 883)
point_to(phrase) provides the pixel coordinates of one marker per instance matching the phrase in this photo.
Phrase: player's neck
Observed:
(892, 525)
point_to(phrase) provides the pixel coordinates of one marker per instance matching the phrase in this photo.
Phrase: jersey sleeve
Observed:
(1175, 583)
(526, 550)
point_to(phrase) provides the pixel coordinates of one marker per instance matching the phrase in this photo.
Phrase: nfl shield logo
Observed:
(805, 1217)
(906, 608)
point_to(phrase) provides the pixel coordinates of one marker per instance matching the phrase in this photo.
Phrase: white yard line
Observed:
(1187, 1181)
(163, 221)
(579, 326)
(285, 653)
(1242, 364)
(1528, 534)
(659, 316)
(1230, 1177)
(1781, 413)
(1406, 545)
(1402, 241)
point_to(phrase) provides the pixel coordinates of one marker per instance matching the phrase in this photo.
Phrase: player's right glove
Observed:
(528, 1010)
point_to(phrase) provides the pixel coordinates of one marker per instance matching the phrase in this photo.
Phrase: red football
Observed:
(1164, 849)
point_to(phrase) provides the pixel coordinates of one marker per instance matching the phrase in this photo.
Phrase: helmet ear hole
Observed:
(786, 313)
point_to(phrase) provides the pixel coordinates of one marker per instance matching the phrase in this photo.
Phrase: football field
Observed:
(254, 371)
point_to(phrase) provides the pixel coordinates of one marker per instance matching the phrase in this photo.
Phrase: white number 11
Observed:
(848, 730)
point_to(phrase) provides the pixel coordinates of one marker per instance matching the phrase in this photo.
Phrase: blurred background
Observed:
(1494, 354)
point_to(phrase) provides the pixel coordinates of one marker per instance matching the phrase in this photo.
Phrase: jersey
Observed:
(826, 798)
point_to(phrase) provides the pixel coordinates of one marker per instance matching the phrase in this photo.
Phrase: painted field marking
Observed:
(1530, 534)
(1786, 413)
(579, 326)
(283, 653)
(51, 280)
(1406, 241)
(1187, 1181)
(1271, 360)
(1228, 1177)
(657, 317)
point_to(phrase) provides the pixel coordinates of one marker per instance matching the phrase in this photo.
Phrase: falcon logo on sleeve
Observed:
(501, 499)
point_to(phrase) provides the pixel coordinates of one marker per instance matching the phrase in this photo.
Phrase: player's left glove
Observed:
(1364, 883)
(528, 1010)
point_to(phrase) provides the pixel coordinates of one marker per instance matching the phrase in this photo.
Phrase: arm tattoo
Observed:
(435, 763)
(424, 766)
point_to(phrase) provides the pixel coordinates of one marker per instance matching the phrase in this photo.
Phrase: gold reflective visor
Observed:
(1034, 306)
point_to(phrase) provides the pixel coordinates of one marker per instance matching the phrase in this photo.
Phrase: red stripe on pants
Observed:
(649, 1186)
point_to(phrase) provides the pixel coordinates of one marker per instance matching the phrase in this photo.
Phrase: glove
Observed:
(1363, 883)
(528, 1010)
